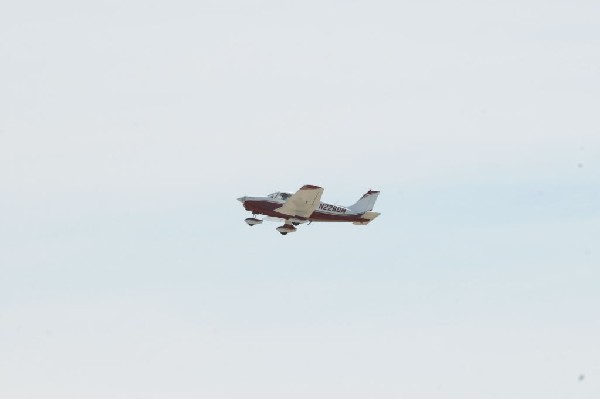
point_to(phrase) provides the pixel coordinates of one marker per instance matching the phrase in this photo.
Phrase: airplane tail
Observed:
(365, 203)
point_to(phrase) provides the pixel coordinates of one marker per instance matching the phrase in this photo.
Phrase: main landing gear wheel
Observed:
(286, 228)
(252, 221)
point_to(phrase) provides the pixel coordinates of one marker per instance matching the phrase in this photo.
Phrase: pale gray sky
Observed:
(128, 128)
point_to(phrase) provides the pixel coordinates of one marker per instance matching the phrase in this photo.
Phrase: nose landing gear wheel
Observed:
(282, 233)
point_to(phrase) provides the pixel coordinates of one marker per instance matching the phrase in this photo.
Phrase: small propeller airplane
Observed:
(305, 206)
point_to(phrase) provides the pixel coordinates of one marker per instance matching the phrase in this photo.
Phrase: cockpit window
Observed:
(279, 196)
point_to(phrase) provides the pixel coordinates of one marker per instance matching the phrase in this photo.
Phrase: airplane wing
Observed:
(303, 202)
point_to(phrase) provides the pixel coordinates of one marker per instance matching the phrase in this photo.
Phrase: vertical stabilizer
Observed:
(365, 203)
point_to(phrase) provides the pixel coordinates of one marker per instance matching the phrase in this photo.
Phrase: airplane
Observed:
(305, 206)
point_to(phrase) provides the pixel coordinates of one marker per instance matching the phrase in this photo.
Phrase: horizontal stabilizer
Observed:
(369, 216)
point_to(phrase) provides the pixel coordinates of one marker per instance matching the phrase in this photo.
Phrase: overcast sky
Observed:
(128, 128)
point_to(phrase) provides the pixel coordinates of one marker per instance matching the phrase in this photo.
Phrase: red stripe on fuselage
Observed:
(268, 208)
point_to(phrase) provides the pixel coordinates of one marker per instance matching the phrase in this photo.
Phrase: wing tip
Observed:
(310, 187)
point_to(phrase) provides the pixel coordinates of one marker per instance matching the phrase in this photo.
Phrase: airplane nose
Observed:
(242, 199)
